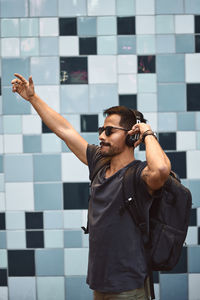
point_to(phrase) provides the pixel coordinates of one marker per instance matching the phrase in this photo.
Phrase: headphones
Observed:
(131, 139)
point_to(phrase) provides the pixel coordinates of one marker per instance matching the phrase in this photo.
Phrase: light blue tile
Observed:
(53, 239)
(43, 8)
(3, 258)
(198, 140)
(13, 8)
(91, 138)
(29, 46)
(2, 182)
(87, 26)
(147, 83)
(20, 287)
(165, 43)
(74, 98)
(29, 27)
(101, 95)
(16, 239)
(51, 143)
(146, 44)
(48, 46)
(12, 124)
(76, 261)
(45, 70)
(53, 219)
(186, 121)
(49, 262)
(126, 45)
(170, 68)
(9, 27)
(106, 25)
(194, 188)
(125, 7)
(72, 8)
(174, 286)
(15, 220)
(1, 164)
(164, 24)
(18, 168)
(14, 65)
(147, 102)
(198, 120)
(72, 239)
(167, 122)
(169, 7)
(192, 7)
(50, 288)
(74, 120)
(75, 288)
(32, 143)
(3, 240)
(171, 97)
(185, 43)
(107, 45)
(193, 259)
(47, 167)
(64, 149)
(48, 196)
(85, 240)
(1, 125)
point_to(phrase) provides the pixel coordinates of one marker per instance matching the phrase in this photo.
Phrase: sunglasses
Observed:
(108, 130)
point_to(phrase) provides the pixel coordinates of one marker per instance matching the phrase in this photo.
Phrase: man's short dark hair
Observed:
(128, 116)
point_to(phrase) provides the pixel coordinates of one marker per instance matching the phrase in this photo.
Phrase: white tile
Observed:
(13, 143)
(73, 219)
(68, 45)
(127, 84)
(147, 101)
(198, 216)
(19, 196)
(101, 8)
(1, 143)
(186, 140)
(73, 170)
(74, 120)
(50, 95)
(152, 120)
(191, 238)
(102, 69)
(49, 27)
(147, 83)
(192, 67)
(193, 160)
(2, 182)
(2, 202)
(10, 47)
(76, 261)
(31, 124)
(4, 292)
(127, 64)
(145, 7)
(51, 143)
(184, 24)
(16, 239)
(145, 24)
(194, 283)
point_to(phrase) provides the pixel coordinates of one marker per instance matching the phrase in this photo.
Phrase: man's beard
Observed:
(112, 151)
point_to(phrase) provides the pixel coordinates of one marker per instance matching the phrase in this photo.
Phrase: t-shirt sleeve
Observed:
(93, 156)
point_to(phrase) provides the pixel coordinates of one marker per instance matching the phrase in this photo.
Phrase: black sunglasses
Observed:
(108, 130)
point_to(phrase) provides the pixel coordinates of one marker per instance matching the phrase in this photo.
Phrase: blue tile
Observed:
(194, 188)
(76, 288)
(1, 164)
(193, 259)
(13, 104)
(12, 8)
(174, 286)
(9, 27)
(32, 143)
(18, 168)
(12, 124)
(47, 167)
(146, 44)
(53, 239)
(43, 8)
(14, 65)
(56, 292)
(165, 43)
(48, 196)
(169, 7)
(15, 220)
(45, 70)
(164, 24)
(90, 137)
(20, 287)
(53, 219)
(49, 262)
(3, 259)
(192, 7)
(125, 7)
(170, 68)
(107, 45)
(29, 27)
(72, 8)
(106, 25)
(171, 97)
(72, 239)
(102, 94)
(126, 45)
(48, 46)
(185, 43)
(3, 240)
(16, 239)
(186, 121)
(87, 26)
(147, 83)
(167, 122)
(29, 46)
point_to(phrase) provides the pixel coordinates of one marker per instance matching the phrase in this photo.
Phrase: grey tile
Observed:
(45, 70)
(48, 196)
(72, 239)
(171, 97)
(12, 8)
(192, 6)
(44, 8)
(170, 68)
(20, 287)
(165, 43)
(47, 167)
(194, 188)
(48, 46)
(126, 45)
(174, 286)
(49, 262)
(14, 65)
(18, 168)
(31, 143)
(186, 121)
(3, 240)
(50, 288)
(76, 288)
(72, 8)
(185, 43)
(193, 259)
(53, 219)
(102, 94)
(87, 26)
(169, 7)
(74, 98)
(13, 104)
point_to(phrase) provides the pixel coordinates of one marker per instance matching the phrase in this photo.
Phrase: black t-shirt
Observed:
(116, 251)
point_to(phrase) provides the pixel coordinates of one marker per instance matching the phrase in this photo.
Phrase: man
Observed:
(117, 267)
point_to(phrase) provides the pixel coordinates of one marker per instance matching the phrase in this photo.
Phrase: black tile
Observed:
(181, 266)
(2, 221)
(89, 123)
(73, 70)
(197, 43)
(34, 239)
(76, 195)
(87, 46)
(67, 26)
(125, 25)
(146, 64)
(34, 220)
(193, 96)
(45, 129)
(197, 24)
(21, 262)
(129, 101)
(167, 140)
(3, 277)
(178, 162)
(193, 217)
(155, 277)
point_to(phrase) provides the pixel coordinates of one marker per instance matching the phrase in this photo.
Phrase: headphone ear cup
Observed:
(130, 140)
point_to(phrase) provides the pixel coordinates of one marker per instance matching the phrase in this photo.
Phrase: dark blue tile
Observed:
(67, 26)
(146, 64)
(181, 266)
(193, 96)
(35, 239)
(3, 277)
(76, 195)
(21, 262)
(88, 46)
(73, 70)
(125, 25)
(178, 162)
(167, 140)
(89, 123)
(193, 217)
(129, 101)
(34, 220)
(2, 221)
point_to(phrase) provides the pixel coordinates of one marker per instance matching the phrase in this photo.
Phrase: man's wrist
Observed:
(148, 132)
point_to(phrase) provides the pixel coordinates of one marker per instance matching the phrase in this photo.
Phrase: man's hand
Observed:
(139, 128)
(23, 87)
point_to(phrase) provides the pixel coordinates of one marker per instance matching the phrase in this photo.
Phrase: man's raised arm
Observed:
(59, 125)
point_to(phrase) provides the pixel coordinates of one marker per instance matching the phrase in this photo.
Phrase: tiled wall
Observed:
(87, 55)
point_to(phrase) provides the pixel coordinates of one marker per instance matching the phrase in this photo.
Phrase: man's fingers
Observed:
(30, 80)
(20, 77)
